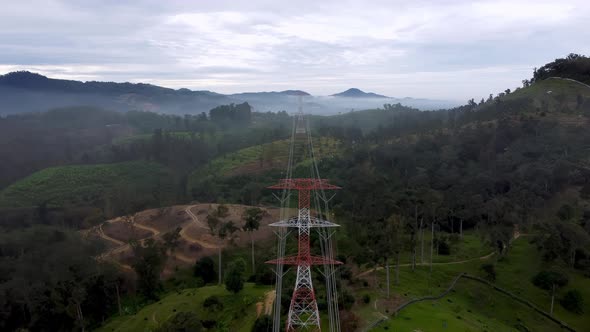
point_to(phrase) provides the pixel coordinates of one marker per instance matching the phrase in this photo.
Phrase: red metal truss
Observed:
(294, 260)
(303, 311)
(304, 184)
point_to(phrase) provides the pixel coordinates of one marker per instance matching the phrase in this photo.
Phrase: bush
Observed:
(209, 323)
(262, 324)
(213, 303)
(444, 248)
(347, 300)
(490, 270)
(573, 301)
(182, 321)
(366, 298)
(345, 273)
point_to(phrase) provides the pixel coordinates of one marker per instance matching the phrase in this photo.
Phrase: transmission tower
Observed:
(303, 310)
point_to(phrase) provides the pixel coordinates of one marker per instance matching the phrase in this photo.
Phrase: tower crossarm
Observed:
(296, 222)
(312, 260)
(304, 184)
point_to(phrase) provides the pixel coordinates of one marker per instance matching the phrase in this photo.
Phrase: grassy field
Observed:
(473, 306)
(238, 313)
(559, 89)
(84, 184)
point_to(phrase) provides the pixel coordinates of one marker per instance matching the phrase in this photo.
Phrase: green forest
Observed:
(492, 197)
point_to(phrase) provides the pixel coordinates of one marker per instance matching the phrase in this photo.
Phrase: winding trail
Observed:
(571, 80)
(147, 228)
(196, 223)
(102, 234)
(515, 236)
(484, 257)
(123, 247)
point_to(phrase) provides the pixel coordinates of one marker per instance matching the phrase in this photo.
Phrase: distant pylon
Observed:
(301, 125)
(303, 310)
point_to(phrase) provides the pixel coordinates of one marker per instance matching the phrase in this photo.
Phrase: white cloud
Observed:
(439, 49)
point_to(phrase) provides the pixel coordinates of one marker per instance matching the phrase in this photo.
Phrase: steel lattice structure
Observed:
(303, 310)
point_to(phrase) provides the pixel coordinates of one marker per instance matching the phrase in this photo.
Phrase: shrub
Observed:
(573, 301)
(345, 273)
(444, 248)
(262, 324)
(366, 298)
(347, 300)
(490, 271)
(182, 321)
(213, 303)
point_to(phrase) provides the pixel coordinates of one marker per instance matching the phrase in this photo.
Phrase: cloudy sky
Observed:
(434, 49)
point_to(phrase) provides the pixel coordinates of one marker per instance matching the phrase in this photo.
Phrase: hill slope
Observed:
(238, 312)
(128, 183)
(29, 92)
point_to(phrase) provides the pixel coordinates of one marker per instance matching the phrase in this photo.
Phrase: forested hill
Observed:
(29, 92)
(33, 81)
(574, 66)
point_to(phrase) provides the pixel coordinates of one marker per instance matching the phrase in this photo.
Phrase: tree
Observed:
(525, 83)
(562, 240)
(172, 239)
(262, 324)
(566, 212)
(214, 229)
(490, 271)
(222, 211)
(149, 260)
(550, 281)
(205, 269)
(182, 322)
(393, 233)
(573, 301)
(252, 218)
(234, 276)
(51, 281)
(227, 230)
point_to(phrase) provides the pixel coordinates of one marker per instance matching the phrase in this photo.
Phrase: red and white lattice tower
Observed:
(303, 311)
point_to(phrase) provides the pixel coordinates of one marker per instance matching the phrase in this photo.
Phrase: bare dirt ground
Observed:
(266, 306)
(196, 239)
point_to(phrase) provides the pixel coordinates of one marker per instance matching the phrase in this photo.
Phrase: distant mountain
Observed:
(271, 93)
(24, 91)
(295, 93)
(356, 93)
(30, 92)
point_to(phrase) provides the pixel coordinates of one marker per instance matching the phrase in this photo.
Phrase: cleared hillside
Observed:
(89, 185)
(262, 157)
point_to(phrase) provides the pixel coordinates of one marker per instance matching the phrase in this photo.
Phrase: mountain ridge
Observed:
(25, 92)
(358, 93)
